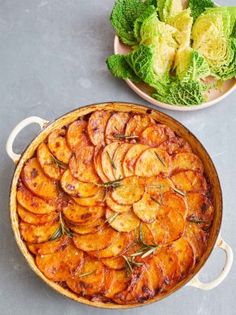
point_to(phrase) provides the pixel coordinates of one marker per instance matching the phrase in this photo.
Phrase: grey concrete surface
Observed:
(52, 55)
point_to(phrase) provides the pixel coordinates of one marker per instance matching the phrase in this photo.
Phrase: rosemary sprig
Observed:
(159, 158)
(131, 263)
(111, 218)
(193, 219)
(111, 184)
(111, 161)
(120, 136)
(62, 230)
(181, 193)
(86, 274)
(59, 163)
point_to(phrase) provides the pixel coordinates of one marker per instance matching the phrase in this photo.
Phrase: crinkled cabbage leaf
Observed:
(168, 8)
(199, 6)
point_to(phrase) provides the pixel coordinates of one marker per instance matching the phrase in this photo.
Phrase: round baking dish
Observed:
(215, 239)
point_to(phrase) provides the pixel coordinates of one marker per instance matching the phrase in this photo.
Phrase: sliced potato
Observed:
(185, 255)
(116, 263)
(186, 161)
(118, 158)
(74, 187)
(80, 214)
(49, 247)
(122, 222)
(113, 205)
(154, 135)
(189, 181)
(97, 125)
(146, 209)
(33, 203)
(88, 228)
(157, 185)
(81, 165)
(92, 201)
(77, 135)
(137, 124)
(96, 241)
(59, 266)
(108, 165)
(118, 284)
(145, 234)
(89, 280)
(158, 230)
(48, 162)
(130, 190)
(116, 126)
(38, 233)
(98, 164)
(58, 146)
(174, 224)
(36, 181)
(152, 162)
(172, 202)
(131, 157)
(36, 219)
(175, 145)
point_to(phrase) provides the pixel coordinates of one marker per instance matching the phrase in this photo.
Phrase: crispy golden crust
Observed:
(116, 207)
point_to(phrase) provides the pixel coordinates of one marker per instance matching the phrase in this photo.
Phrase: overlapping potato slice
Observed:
(174, 224)
(89, 280)
(116, 126)
(88, 228)
(156, 134)
(60, 265)
(97, 125)
(36, 219)
(137, 124)
(118, 158)
(38, 233)
(146, 208)
(49, 247)
(151, 162)
(97, 160)
(189, 181)
(145, 234)
(175, 145)
(33, 203)
(81, 165)
(48, 162)
(74, 187)
(172, 202)
(58, 146)
(113, 205)
(119, 282)
(130, 190)
(116, 263)
(95, 241)
(76, 213)
(158, 231)
(35, 180)
(131, 157)
(108, 165)
(185, 255)
(157, 185)
(186, 161)
(92, 201)
(122, 222)
(76, 135)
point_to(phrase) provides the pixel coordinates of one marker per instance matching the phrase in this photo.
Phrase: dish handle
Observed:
(24, 123)
(195, 282)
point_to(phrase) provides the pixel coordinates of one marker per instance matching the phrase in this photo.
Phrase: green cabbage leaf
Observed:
(168, 8)
(199, 6)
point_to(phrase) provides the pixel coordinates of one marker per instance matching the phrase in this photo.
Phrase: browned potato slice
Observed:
(145, 234)
(189, 181)
(36, 219)
(158, 230)
(118, 284)
(82, 166)
(77, 135)
(175, 145)
(130, 190)
(146, 208)
(174, 224)
(88, 228)
(108, 165)
(34, 178)
(172, 202)
(122, 222)
(38, 233)
(131, 157)
(96, 241)
(186, 161)
(58, 146)
(118, 158)
(59, 266)
(92, 201)
(33, 203)
(116, 263)
(152, 162)
(137, 124)
(185, 255)
(89, 280)
(48, 162)
(98, 164)
(115, 206)
(79, 214)
(156, 134)
(74, 187)
(157, 186)
(116, 126)
(97, 125)
(49, 247)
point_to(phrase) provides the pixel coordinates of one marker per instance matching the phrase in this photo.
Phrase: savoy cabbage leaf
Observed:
(199, 6)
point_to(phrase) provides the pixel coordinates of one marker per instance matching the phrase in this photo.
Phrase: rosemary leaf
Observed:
(120, 136)
(149, 252)
(59, 163)
(194, 219)
(181, 193)
(155, 200)
(111, 161)
(112, 218)
(86, 274)
(56, 234)
(112, 184)
(159, 158)
(128, 263)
